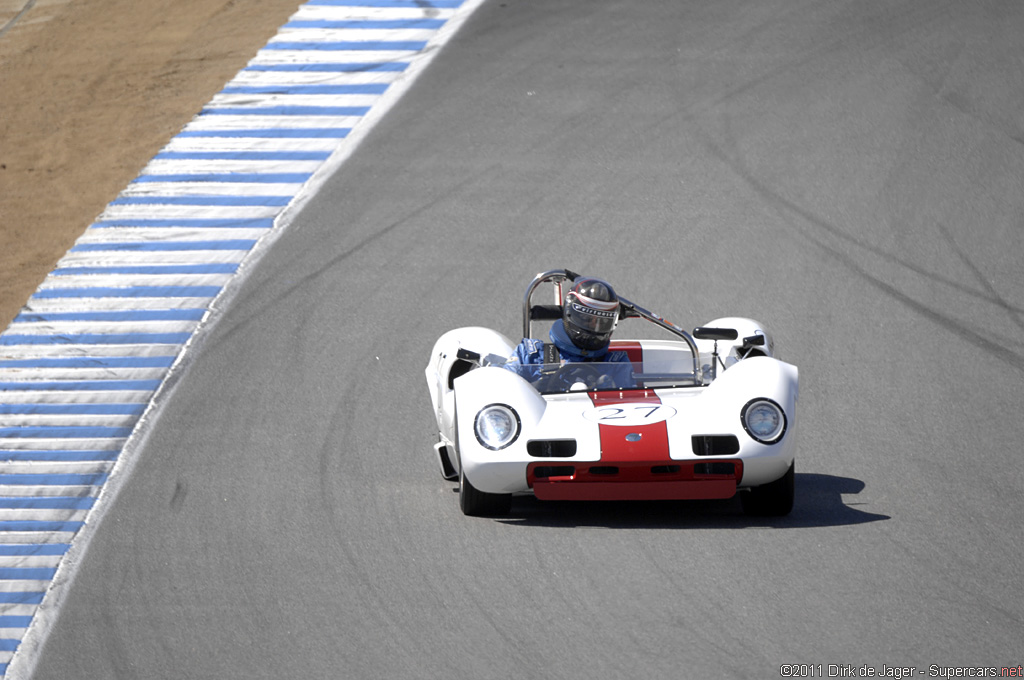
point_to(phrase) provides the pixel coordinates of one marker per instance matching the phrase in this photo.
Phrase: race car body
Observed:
(700, 416)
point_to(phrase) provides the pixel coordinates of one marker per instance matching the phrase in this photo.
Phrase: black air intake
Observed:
(553, 448)
(715, 444)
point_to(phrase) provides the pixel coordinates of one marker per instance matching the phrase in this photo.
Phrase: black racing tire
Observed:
(476, 503)
(774, 499)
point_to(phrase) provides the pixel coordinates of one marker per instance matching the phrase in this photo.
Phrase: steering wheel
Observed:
(590, 375)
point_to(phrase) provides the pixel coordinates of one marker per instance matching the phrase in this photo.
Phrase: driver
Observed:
(590, 312)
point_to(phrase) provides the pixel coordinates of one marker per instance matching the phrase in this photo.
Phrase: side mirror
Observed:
(753, 341)
(703, 333)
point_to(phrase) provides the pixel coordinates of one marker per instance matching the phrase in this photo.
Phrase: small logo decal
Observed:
(633, 437)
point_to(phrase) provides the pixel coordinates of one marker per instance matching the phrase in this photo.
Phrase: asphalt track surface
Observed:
(848, 173)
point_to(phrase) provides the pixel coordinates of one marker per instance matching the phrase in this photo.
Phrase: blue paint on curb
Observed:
(69, 456)
(22, 597)
(74, 409)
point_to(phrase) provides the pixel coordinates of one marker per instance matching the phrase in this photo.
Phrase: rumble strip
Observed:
(83, 363)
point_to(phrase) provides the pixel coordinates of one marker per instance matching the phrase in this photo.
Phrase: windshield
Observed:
(604, 375)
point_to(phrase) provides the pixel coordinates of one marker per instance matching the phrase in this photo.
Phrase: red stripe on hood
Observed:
(652, 444)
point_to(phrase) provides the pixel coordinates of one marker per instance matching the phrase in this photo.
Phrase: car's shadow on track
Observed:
(818, 503)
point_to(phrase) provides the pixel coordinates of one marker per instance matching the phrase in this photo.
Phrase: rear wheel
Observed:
(476, 503)
(773, 499)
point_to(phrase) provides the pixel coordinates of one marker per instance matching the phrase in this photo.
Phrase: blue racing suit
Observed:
(528, 361)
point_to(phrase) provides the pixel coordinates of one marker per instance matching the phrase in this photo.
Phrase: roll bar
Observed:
(630, 310)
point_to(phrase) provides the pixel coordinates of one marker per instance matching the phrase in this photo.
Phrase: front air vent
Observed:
(604, 470)
(546, 471)
(551, 448)
(665, 470)
(715, 444)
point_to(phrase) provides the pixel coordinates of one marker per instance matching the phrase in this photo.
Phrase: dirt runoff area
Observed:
(90, 91)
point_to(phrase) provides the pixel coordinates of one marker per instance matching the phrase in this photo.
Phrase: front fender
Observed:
(759, 377)
(500, 471)
(756, 378)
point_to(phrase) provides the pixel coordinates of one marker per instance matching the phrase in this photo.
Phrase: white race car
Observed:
(699, 416)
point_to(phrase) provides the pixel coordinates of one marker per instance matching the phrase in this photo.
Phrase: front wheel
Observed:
(773, 499)
(476, 503)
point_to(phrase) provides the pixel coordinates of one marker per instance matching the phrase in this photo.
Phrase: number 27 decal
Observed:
(629, 414)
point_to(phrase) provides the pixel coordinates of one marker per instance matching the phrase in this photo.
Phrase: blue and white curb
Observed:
(82, 364)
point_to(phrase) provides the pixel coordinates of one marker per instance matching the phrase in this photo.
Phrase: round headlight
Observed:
(764, 420)
(496, 426)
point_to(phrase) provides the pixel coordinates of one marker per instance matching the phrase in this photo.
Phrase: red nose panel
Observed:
(637, 443)
(635, 464)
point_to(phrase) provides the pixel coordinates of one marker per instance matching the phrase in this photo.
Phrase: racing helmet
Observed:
(590, 313)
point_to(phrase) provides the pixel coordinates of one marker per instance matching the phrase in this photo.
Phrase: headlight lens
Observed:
(764, 420)
(496, 426)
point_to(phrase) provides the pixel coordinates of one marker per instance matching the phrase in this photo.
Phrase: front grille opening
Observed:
(715, 444)
(604, 470)
(545, 471)
(714, 469)
(665, 469)
(551, 448)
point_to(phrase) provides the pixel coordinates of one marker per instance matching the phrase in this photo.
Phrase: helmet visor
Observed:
(596, 321)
